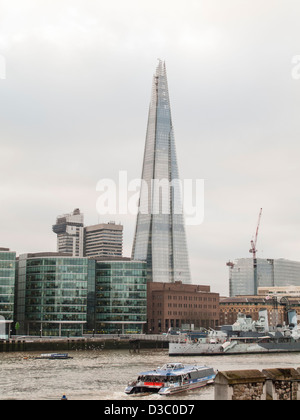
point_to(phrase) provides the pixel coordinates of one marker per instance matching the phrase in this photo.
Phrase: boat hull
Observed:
(169, 390)
(141, 390)
(186, 387)
(54, 356)
(182, 349)
(178, 349)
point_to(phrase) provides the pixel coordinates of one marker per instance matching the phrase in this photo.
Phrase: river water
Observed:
(103, 375)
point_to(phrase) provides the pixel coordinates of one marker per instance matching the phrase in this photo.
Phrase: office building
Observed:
(103, 240)
(270, 273)
(69, 229)
(52, 294)
(120, 296)
(279, 292)
(73, 238)
(60, 295)
(160, 237)
(7, 290)
(179, 305)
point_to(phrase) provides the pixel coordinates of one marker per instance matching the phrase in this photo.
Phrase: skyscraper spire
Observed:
(160, 233)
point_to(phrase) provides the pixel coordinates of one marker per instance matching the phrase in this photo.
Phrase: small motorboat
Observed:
(51, 356)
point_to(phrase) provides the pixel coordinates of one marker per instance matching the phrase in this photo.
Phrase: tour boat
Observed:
(172, 378)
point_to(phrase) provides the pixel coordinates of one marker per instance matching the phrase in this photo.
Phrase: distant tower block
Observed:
(70, 233)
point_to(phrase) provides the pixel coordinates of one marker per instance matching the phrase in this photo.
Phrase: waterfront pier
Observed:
(132, 342)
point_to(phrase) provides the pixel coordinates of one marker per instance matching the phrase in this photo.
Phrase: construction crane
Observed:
(253, 250)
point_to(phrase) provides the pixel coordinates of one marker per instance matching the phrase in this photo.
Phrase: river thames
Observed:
(103, 375)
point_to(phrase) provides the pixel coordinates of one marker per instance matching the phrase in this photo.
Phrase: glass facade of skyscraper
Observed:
(52, 294)
(270, 273)
(7, 290)
(160, 231)
(121, 297)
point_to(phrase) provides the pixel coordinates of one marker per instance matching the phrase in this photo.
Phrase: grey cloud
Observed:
(73, 109)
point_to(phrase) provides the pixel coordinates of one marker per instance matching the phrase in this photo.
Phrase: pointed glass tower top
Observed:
(160, 237)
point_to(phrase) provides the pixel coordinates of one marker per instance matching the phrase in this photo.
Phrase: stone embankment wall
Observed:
(270, 384)
(45, 345)
(252, 391)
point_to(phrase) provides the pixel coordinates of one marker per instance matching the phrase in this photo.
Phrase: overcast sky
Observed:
(74, 107)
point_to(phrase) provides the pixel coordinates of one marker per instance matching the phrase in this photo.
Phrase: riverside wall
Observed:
(134, 344)
(268, 384)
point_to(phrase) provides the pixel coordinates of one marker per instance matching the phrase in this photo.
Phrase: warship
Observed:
(245, 336)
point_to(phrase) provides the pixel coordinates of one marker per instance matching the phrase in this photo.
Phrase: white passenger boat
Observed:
(172, 378)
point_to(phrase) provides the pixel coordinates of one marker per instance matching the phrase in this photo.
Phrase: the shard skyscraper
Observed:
(160, 237)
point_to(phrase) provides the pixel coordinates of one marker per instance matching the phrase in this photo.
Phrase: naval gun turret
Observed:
(245, 326)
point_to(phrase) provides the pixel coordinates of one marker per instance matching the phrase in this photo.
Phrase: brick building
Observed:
(251, 305)
(172, 305)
